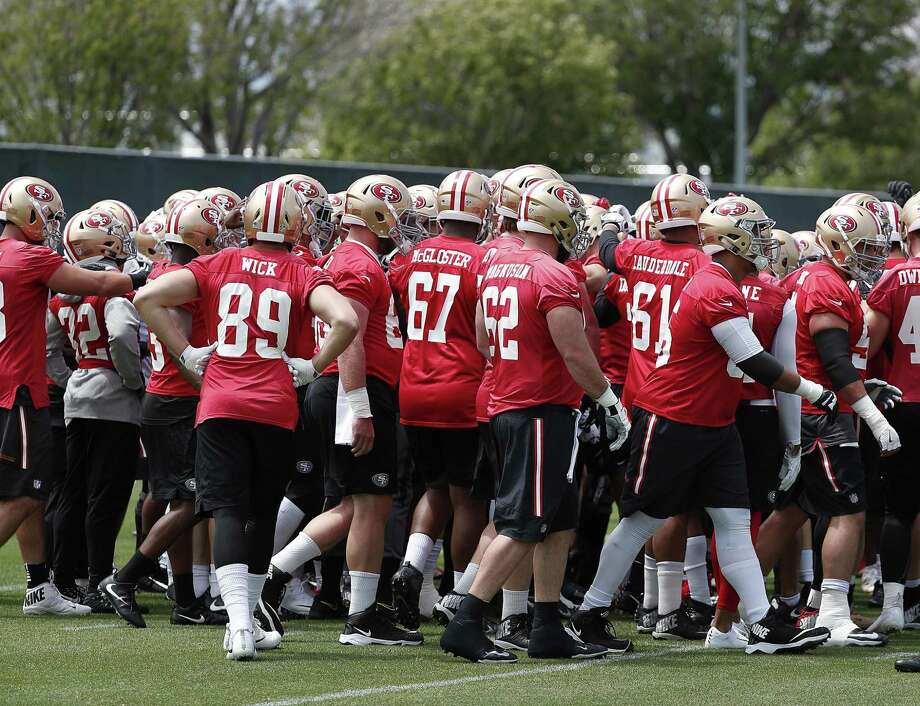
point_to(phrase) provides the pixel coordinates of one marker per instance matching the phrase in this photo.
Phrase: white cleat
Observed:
(848, 634)
(731, 640)
(242, 647)
(296, 600)
(45, 599)
(265, 640)
(890, 620)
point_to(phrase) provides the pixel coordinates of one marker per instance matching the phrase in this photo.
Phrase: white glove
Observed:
(196, 359)
(617, 425)
(888, 439)
(792, 464)
(884, 395)
(302, 370)
(883, 432)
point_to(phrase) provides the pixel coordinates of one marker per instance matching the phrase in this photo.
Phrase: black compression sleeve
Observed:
(606, 312)
(608, 247)
(833, 346)
(763, 368)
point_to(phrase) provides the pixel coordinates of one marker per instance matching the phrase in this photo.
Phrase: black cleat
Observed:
(646, 619)
(552, 642)
(156, 582)
(198, 613)
(268, 618)
(98, 603)
(877, 598)
(785, 613)
(700, 613)
(446, 608)
(407, 586)
(273, 590)
(908, 664)
(465, 639)
(375, 626)
(323, 610)
(513, 633)
(770, 635)
(72, 592)
(593, 627)
(121, 597)
(677, 625)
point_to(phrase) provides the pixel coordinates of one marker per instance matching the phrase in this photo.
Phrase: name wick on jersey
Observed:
(511, 269)
(442, 257)
(655, 266)
(259, 267)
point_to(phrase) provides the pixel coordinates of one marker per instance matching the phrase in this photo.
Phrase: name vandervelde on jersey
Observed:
(512, 269)
(437, 256)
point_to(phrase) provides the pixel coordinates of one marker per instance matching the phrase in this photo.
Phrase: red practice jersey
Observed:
(897, 296)
(518, 290)
(442, 368)
(502, 244)
(695, 381)
(821, 289)
(165, 378)
(656, 272)
(358, 275)
(765, 302)
(83, 320)
(616, 340)
(252, 301)
(24, 273)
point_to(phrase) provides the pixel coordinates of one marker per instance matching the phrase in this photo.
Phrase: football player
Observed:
(251, 299)
(441, 373)
(531, 324)
(31, 216)
(685, 450)
(832, 342)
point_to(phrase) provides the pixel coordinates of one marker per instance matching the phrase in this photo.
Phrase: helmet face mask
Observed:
(409, 228)
(738, 225)
(554, 207)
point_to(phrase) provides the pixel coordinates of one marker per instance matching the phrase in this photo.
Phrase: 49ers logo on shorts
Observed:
(98, 219)
(305, 188)
(567, 196)
(222, 201)
(699, 187)
(844, 224)
(732, 208)
(386, 192)
(211, 215)
(39, 192)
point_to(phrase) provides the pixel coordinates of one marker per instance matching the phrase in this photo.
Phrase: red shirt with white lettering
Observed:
(442, 368)
(358, 275)
(252, 302)
(694, 382)
(24, 273)
(656, 272)
(503, 244)
(165, 378)
(616, 340)
(83, 320)
(821, 289)
(765, 302)
(518, 290)
(897, 296)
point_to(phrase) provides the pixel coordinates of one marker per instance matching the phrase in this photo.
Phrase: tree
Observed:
(88, 73)
(478, 82)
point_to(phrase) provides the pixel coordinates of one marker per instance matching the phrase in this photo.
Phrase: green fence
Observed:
(86, 175)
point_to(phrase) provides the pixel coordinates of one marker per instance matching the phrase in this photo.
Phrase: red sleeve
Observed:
(199, 268)
(623, 251)
(577, 269)
(721, 304)
(44, 262)
(357, 286)
(557, 290)
(822, 299)
(880, 296)
(612, 288)
(315, 278)
(593, 260)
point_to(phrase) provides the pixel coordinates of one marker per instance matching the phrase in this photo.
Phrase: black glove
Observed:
(900, 191)
(139, 277)
(828, 402)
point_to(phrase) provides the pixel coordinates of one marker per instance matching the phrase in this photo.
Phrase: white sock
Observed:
(417, 550)
(670, 580)
(620, 548)
(458, 577)
(806, 566)
(790, 601)
(213, 583)
(514, 602)
(432, 562)
(233, 580)
(363, 591)
(912, 583)
(289, 518)
(298, 552)
(465, 583)
(738, 560)
(814, 599)
(695, 568)
(255, 583)
(894, 595)
(201, 574)
(834, 604)
(650, 594)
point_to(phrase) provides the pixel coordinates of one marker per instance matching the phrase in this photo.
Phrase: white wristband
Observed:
(870, 414)
(811, 391)
(607, 398)
(359, 402)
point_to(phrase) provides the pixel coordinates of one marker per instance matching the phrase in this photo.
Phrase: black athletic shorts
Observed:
(536, 453)
(901, 472)
(485, 483)
(444, 456)
(676, 467)
(26, 449)
(375, 473)
(305, 488)
(871, 457)
(832, 480)
(758, 427)
(168, 436)
(241, 464)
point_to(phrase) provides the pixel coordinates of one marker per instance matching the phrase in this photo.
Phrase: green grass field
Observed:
(101, 660)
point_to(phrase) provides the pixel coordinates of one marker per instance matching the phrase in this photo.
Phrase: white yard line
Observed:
(12, 587)
(460, 681)
(94, 626)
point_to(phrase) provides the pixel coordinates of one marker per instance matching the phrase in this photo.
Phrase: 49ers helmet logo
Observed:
(39, 192)
(335, 200)
(842, 223)
(567, 196)
(97, 220)
(878, 209)
(211, 216)
(222, 201)
(152, 227)
(732, 208)
(305, 188)
(386, 192)
(419, 201)
(699, 187)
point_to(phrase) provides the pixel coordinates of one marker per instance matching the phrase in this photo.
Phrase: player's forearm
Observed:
(160, 322)
(352, 363)
(583, 367)
(338, 339)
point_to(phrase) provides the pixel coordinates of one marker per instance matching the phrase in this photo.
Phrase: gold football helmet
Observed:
(738, 225)
(553, 207)
(464, 196)
(514, 184)
(35, 207)
(96, 233)
(425, 203)
(123, 212)
(275, 214)
(315, 198)
(678, 200)
(787, 253)
(808, 246)
(381, 203)
(222, 197)
(196, 223)
(178, 197)
(854, 239)
(149, 238)
(644, 224)
(495, 181)
(593, 221)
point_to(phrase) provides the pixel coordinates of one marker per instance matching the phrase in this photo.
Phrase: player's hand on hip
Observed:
(196, 359)
(302, 370)
(362, 436)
